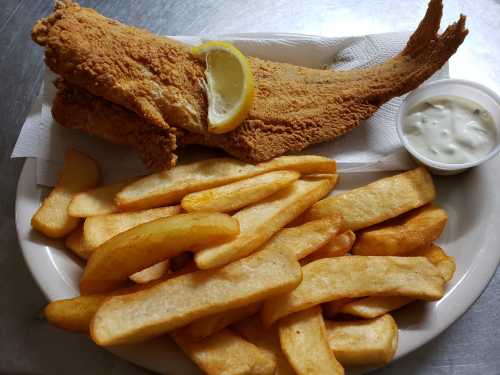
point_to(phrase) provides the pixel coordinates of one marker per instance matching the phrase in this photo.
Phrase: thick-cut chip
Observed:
(266, 339)
(147, 244)
(300, 241)
(379, 201)
(307, 238)
(436, 255)
(355, 276)
(402, 234)
(208, 325)
(226, 353)
(79, 173)
(76, 244)
(74, 314)
(331, 309)
(170, 186)
(259, 222)
(98, 201)
(99, 229)
(336, 247)
(304, 342)
(239, 194)
(372, 307)
(363, 342)
(181, 300)
(154, 272)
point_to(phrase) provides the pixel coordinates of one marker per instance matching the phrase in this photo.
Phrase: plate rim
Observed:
(487, 260)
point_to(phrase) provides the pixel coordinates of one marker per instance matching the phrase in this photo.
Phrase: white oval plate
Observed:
(471, 236)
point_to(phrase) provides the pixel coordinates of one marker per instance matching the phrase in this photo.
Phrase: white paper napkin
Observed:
(373, 146)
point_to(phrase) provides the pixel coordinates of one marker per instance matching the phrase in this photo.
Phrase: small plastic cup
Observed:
(472, 91)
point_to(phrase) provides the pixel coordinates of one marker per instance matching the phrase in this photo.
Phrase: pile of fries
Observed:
(251, 269)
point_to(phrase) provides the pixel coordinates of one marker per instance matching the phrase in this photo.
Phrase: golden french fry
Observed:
(304, 342)
(211, 324)
(363, 342)
(379, 201)
(239, 194)
(226, 353)
(338, 246)
(330, 309)
(183, 299)
(402, 234)
(99, 229)
(307, 238)
(261, 220)
(149, 243)
(301, 240)
(79, 173)
(355, 276)
(436, 255)
(251, 329)
(76, 244)
(372, 307)
(170, 186)
(98, 201)
(74, 314)
(375, 306)
(154, 272)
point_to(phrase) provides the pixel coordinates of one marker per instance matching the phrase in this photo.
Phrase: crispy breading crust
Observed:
(155, 77)
(294, 107)
(77, 109)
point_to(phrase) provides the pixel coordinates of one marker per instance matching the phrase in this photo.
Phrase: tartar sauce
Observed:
(450, 130)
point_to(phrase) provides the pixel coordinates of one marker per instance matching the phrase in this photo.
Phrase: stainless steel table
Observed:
(28, 345)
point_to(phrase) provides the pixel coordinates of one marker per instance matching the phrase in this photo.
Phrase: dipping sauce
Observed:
(450, 130)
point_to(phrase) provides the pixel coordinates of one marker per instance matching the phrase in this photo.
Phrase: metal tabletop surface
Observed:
(28, 345)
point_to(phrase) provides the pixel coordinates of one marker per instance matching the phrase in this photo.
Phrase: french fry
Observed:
(98, 201)
(402, 234)
(74, 314)
(436, 255)
(338, 246)
(239, 194)
(251, 329)
(168, 187)
(226, 353)
(76, 244)
(154, 272)
(375, 306)
(331, 309)
(211, 324)
(307, 238)
(301, 241)
(149, 243)
(99, 229)
(379, 201)
(183, 299)
(363, 342)
(304, 342)
(355, 276)
(372, 307)
(79, 173)
(261, 220)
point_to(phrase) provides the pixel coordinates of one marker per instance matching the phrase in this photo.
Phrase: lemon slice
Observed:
(229, 84)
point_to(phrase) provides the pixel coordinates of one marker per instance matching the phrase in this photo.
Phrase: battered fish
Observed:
(294, 107)
(77, 109)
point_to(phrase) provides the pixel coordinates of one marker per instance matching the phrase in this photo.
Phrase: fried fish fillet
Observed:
(77, 109)
(161, 82)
